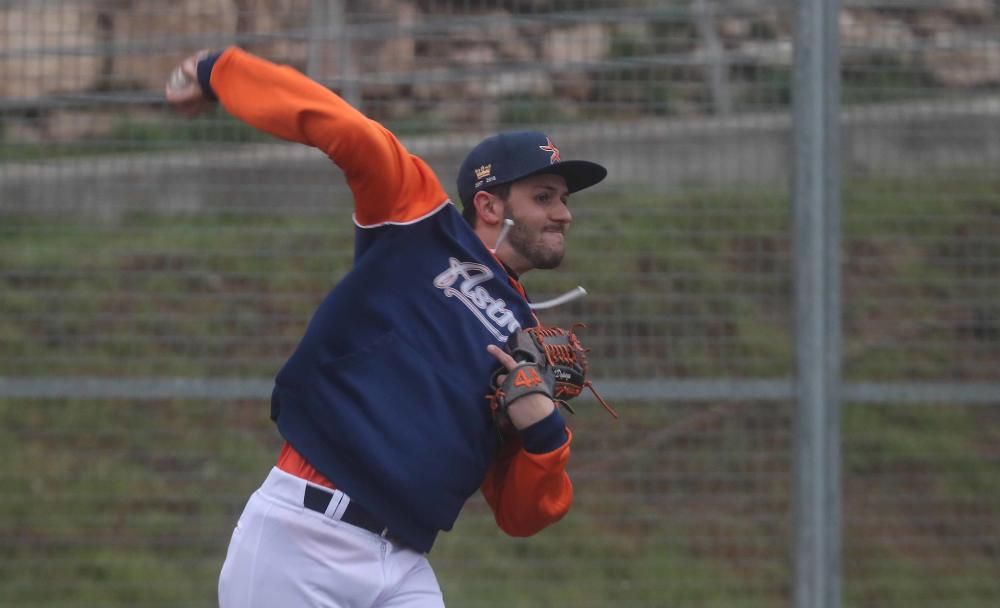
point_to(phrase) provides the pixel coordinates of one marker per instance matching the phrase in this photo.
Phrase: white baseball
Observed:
(178, 80)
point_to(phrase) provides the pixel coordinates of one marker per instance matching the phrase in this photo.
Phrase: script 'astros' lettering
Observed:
(491, 312)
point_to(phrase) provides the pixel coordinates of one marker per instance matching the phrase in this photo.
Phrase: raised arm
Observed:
(389, 183)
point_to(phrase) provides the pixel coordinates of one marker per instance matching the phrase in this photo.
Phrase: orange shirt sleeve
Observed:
(389, 184)
(526, 491)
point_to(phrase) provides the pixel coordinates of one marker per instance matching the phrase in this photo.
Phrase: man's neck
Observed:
(514, 275)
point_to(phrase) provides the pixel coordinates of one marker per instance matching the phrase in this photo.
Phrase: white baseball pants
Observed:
(284, 555)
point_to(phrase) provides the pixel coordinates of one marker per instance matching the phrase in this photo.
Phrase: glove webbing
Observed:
(568, 354)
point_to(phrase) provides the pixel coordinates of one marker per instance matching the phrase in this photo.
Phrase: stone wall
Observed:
(38, 45)
(457, 63)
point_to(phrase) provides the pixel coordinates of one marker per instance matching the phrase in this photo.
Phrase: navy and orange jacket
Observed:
(384, 397)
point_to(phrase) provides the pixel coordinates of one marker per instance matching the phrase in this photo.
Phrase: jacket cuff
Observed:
(546, 435)
(205, 74)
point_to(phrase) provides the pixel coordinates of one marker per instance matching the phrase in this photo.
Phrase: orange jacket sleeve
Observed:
(527, 491)
(389, 184)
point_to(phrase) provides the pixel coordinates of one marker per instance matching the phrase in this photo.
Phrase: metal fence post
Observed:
(716, 67)
(328, 28)
(816, 225)
(347, 68)
(318, 32)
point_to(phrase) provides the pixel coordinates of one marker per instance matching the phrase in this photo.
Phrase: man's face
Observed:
(537, 204)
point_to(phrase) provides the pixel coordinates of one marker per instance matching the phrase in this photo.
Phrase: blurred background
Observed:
(156, 271)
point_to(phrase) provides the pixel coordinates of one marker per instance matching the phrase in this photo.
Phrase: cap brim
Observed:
(579, 174)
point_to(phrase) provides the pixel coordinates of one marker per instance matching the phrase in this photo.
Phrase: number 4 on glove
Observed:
(551, 361)
(527, 377)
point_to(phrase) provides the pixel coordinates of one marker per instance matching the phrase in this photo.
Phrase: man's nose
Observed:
(562, 214)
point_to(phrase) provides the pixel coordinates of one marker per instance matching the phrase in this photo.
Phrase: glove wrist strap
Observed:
(526, 379)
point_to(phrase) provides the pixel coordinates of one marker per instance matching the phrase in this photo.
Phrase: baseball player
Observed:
(383, 404)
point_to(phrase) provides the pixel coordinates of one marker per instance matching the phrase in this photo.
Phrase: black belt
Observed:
(317, 499)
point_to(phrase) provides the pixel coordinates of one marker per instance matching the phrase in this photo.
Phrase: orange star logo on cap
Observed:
(551, 147)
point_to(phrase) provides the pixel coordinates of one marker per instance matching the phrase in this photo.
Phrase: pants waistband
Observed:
(335, 504)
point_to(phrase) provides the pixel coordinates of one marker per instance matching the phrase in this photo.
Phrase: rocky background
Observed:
(457, 63)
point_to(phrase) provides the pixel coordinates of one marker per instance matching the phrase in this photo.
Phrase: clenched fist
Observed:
(183, 91)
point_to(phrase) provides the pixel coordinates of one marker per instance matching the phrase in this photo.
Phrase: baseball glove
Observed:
(551, 361)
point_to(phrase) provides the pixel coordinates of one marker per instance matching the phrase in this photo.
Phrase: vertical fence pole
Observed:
(328, 29)
(716, 66)
(816, 226)
(347, 70)
(318, 32)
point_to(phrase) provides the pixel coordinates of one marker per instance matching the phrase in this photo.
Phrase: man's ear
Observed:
(489, 208)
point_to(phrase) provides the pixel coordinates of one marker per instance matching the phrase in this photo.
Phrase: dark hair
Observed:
(501, 191)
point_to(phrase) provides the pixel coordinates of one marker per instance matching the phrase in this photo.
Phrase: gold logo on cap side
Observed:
(484, 171)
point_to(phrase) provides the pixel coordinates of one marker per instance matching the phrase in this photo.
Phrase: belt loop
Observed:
(337, 505)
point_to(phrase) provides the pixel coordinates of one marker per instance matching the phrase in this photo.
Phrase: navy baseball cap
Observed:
(508, 157)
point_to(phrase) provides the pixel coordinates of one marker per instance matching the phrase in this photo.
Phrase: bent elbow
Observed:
(528, 522)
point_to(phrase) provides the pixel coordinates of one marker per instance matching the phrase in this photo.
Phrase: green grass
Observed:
(148, 289)
(119, 503)
(130, 503)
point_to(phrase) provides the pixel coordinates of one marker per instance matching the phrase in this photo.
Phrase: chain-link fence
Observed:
(155, 272)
